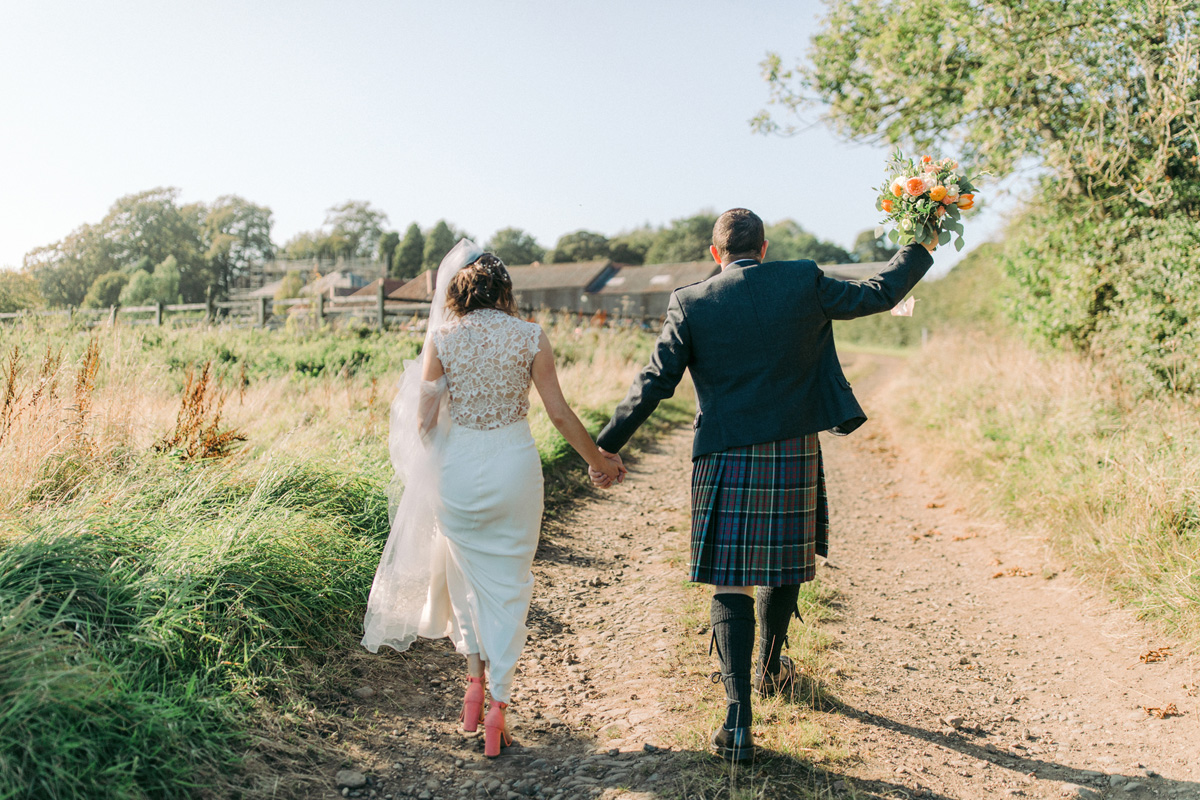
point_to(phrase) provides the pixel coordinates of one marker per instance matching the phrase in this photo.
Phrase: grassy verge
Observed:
(155, 612)
(1052, 441)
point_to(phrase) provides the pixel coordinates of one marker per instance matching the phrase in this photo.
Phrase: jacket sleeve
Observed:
(853, 299)
(655, 383)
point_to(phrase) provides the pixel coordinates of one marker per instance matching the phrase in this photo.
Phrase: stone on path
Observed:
(350, 779)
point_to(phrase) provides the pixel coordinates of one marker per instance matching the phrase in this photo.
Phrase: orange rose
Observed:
(887, 204)
(926, 159)
(915, 186)
(897, 187)
(966, 201)
(937, 193)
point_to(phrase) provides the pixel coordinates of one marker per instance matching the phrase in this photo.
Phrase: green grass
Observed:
(151, 609)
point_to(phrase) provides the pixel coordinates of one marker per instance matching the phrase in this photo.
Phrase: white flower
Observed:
(906, 224)
(951, 192)
(931, 180)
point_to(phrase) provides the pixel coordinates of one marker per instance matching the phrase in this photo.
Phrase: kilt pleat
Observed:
(759, 514)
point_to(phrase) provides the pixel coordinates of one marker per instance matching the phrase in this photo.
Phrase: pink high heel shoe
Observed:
(495, 734)
(472, 713)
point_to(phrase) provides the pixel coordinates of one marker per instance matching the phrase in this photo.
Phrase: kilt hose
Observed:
(759, 514)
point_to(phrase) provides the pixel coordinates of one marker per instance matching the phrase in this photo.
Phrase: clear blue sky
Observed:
(548, 116)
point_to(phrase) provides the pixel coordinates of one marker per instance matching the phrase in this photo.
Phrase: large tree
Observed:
(438, 242)
(631, 247)
(580, 246)
(515, 246)
(686, 239)
(789, 241)
(238, 236)
(19, 291)
(409, 254)
(869, 248)
(357, 227)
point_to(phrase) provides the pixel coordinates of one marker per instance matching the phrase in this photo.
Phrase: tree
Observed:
(106, 290)
(515, 246)
(237, 235)
(386, 249)
(437, 244)
(686, 239)
(1007, 81)
(355, 227)
(789, 241)
(19, 291)
(580, 246)
(408, 257)
(631, 247)
(161, 286)
(869, 248)
(290, 287)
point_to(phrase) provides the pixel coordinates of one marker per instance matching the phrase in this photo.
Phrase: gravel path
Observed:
(964, 665)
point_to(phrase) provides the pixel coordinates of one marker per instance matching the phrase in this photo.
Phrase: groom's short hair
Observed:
(738, 232)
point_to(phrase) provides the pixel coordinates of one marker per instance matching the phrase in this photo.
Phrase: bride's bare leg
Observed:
(472, 713)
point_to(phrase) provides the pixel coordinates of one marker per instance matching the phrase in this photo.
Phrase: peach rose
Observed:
(966, 201)
(915, 186)
(940, 212)
(937, 193)
(886, 203)
(898, 187)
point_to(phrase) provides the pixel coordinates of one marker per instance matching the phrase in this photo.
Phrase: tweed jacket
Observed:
(758, 341)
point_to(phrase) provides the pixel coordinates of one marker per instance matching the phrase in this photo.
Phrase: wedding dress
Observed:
(458, 561)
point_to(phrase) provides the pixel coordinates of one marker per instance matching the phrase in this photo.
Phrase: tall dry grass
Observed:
(1053, 441)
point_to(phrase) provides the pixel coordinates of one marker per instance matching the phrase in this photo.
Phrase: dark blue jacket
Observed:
(758, 340)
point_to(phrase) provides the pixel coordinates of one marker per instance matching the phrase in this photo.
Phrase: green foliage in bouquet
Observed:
(925, 200)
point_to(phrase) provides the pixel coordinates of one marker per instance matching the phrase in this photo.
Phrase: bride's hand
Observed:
(610, 468)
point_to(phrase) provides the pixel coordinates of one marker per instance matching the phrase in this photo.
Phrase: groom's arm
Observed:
(655, 383)
(853, 299)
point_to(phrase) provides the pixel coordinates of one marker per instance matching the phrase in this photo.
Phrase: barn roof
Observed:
(419, 289)
(653, 278)
(575, 275)
(371, 289)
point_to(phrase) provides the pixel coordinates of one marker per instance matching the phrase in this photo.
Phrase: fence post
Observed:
(379, 298)
(210, 307)
(262, 312)
(158, 313)
(112, 316)
(320, 309)
(70, 315)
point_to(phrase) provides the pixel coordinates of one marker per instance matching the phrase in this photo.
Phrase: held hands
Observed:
(609, 470)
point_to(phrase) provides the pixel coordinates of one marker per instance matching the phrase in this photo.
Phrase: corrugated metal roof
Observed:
(576, 275)
(659, 277)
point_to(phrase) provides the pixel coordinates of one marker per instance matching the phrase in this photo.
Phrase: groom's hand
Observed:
(603, 481)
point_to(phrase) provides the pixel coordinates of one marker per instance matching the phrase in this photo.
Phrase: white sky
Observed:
(548, 116)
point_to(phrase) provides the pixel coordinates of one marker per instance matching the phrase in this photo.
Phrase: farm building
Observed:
(643, 292)
(416, 290)
(559, 287)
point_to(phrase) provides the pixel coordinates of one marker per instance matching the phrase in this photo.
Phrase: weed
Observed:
(198, 432)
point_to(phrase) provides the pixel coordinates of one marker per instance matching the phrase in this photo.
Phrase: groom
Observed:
(758, 341)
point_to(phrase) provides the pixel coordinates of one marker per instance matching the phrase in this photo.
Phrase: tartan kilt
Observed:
(759, 514)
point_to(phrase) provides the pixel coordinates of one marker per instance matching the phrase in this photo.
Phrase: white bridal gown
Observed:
(473, 582)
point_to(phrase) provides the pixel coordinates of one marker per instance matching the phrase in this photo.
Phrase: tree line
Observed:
(149, 247)
(1099, 97)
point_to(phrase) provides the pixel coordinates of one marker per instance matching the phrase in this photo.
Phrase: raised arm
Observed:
(853, 299)
(545, 378)
(655, 383)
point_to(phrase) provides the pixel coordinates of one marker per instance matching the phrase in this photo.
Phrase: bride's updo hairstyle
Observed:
(484, 283)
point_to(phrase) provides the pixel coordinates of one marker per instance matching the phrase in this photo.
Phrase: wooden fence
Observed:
(258, 312)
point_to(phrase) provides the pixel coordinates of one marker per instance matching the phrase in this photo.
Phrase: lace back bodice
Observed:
(487, 355)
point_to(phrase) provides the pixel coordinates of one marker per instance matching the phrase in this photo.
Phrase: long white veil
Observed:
(402, 581)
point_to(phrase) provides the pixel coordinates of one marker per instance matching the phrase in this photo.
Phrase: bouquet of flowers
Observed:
(925, 200)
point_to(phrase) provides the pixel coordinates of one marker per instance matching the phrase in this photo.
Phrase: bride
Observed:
(467, 495)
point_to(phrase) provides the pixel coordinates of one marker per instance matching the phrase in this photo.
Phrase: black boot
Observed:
(774, 673)
(732, 618)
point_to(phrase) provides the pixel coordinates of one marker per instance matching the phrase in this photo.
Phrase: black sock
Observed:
(776, 605)
(732, 618)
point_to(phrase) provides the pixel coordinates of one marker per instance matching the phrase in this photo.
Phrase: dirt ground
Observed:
(965, 663)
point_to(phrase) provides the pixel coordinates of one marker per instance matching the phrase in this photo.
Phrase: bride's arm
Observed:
(433, 383)
(545, 378)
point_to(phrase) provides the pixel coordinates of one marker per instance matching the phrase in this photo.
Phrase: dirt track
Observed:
(944, 681)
